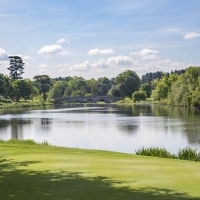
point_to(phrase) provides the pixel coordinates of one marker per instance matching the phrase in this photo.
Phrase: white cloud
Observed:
(93, 52)
(3, 54)
(106, 51)
(192, 35)
(53, 49)
(165, 65)
(62, 40)
(145, 54)
(42, 66)
(104, 63)
(120, 60)
(82, 66)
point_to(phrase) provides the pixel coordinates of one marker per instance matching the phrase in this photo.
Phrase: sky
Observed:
(99, 38)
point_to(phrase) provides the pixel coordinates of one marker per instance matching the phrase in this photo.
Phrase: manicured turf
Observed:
(35, 172)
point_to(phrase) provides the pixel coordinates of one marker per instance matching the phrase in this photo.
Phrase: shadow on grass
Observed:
(19, 184)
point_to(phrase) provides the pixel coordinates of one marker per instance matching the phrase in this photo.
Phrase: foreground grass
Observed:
(32, 171)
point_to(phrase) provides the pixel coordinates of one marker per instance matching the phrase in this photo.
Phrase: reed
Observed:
(183, 154)
(156, 152)
(189, 154)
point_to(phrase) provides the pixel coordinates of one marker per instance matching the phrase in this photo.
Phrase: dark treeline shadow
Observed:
(20, 184)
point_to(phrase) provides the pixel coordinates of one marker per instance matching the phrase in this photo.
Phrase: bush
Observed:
(139, 96)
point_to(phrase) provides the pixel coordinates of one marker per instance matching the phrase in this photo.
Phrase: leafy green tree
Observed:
(76, 84)
(146, 87)
(139, 96)
(160, 92)
(196, 100)
(15, 90)
(57, 90)
(92, 86)
(128, 82)
(114, 91)
(180, 92)
(104, 85)
(2, 85)
(16, 67)
(27, 89)
(192, 75)
(43, 83)
(163, 87)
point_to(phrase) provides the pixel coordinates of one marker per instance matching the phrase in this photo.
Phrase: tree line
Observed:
(179, 87)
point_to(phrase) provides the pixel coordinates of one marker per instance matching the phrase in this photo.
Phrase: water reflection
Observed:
(122, 128)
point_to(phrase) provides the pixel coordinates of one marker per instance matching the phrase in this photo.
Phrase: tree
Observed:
(2, 85)
(76, 84)
(180, 92)
(193, 74)
(146, 87)
(16, 67)
(160, 92)
(27, 89)
(57, 90)
(22, 88)
(139, 96)
(114, 91)
(128, 82)
(43, 83)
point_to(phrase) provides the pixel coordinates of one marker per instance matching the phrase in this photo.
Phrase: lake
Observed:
(121, 128)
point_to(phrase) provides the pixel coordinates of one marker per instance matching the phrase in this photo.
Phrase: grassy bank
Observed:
(28, 103)
(39, 171)
(130, 101)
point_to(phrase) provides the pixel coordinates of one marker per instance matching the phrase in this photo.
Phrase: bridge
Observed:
(85, 99)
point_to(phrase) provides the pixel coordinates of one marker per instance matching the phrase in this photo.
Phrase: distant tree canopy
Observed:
(128, 82)
(179, 87)
(150, 76)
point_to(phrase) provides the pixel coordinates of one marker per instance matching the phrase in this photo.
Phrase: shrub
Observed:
(139, 96)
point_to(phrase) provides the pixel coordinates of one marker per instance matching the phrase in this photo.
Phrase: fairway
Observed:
(42, 172)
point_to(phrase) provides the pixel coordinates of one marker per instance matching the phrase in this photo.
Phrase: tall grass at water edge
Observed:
(183, 154)
(24, 142)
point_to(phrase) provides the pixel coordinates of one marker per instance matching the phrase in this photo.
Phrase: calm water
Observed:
(122, 128)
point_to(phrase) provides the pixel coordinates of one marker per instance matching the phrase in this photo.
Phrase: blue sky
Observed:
(97, 38)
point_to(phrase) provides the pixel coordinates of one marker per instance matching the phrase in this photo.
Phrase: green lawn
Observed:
(42, 172)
